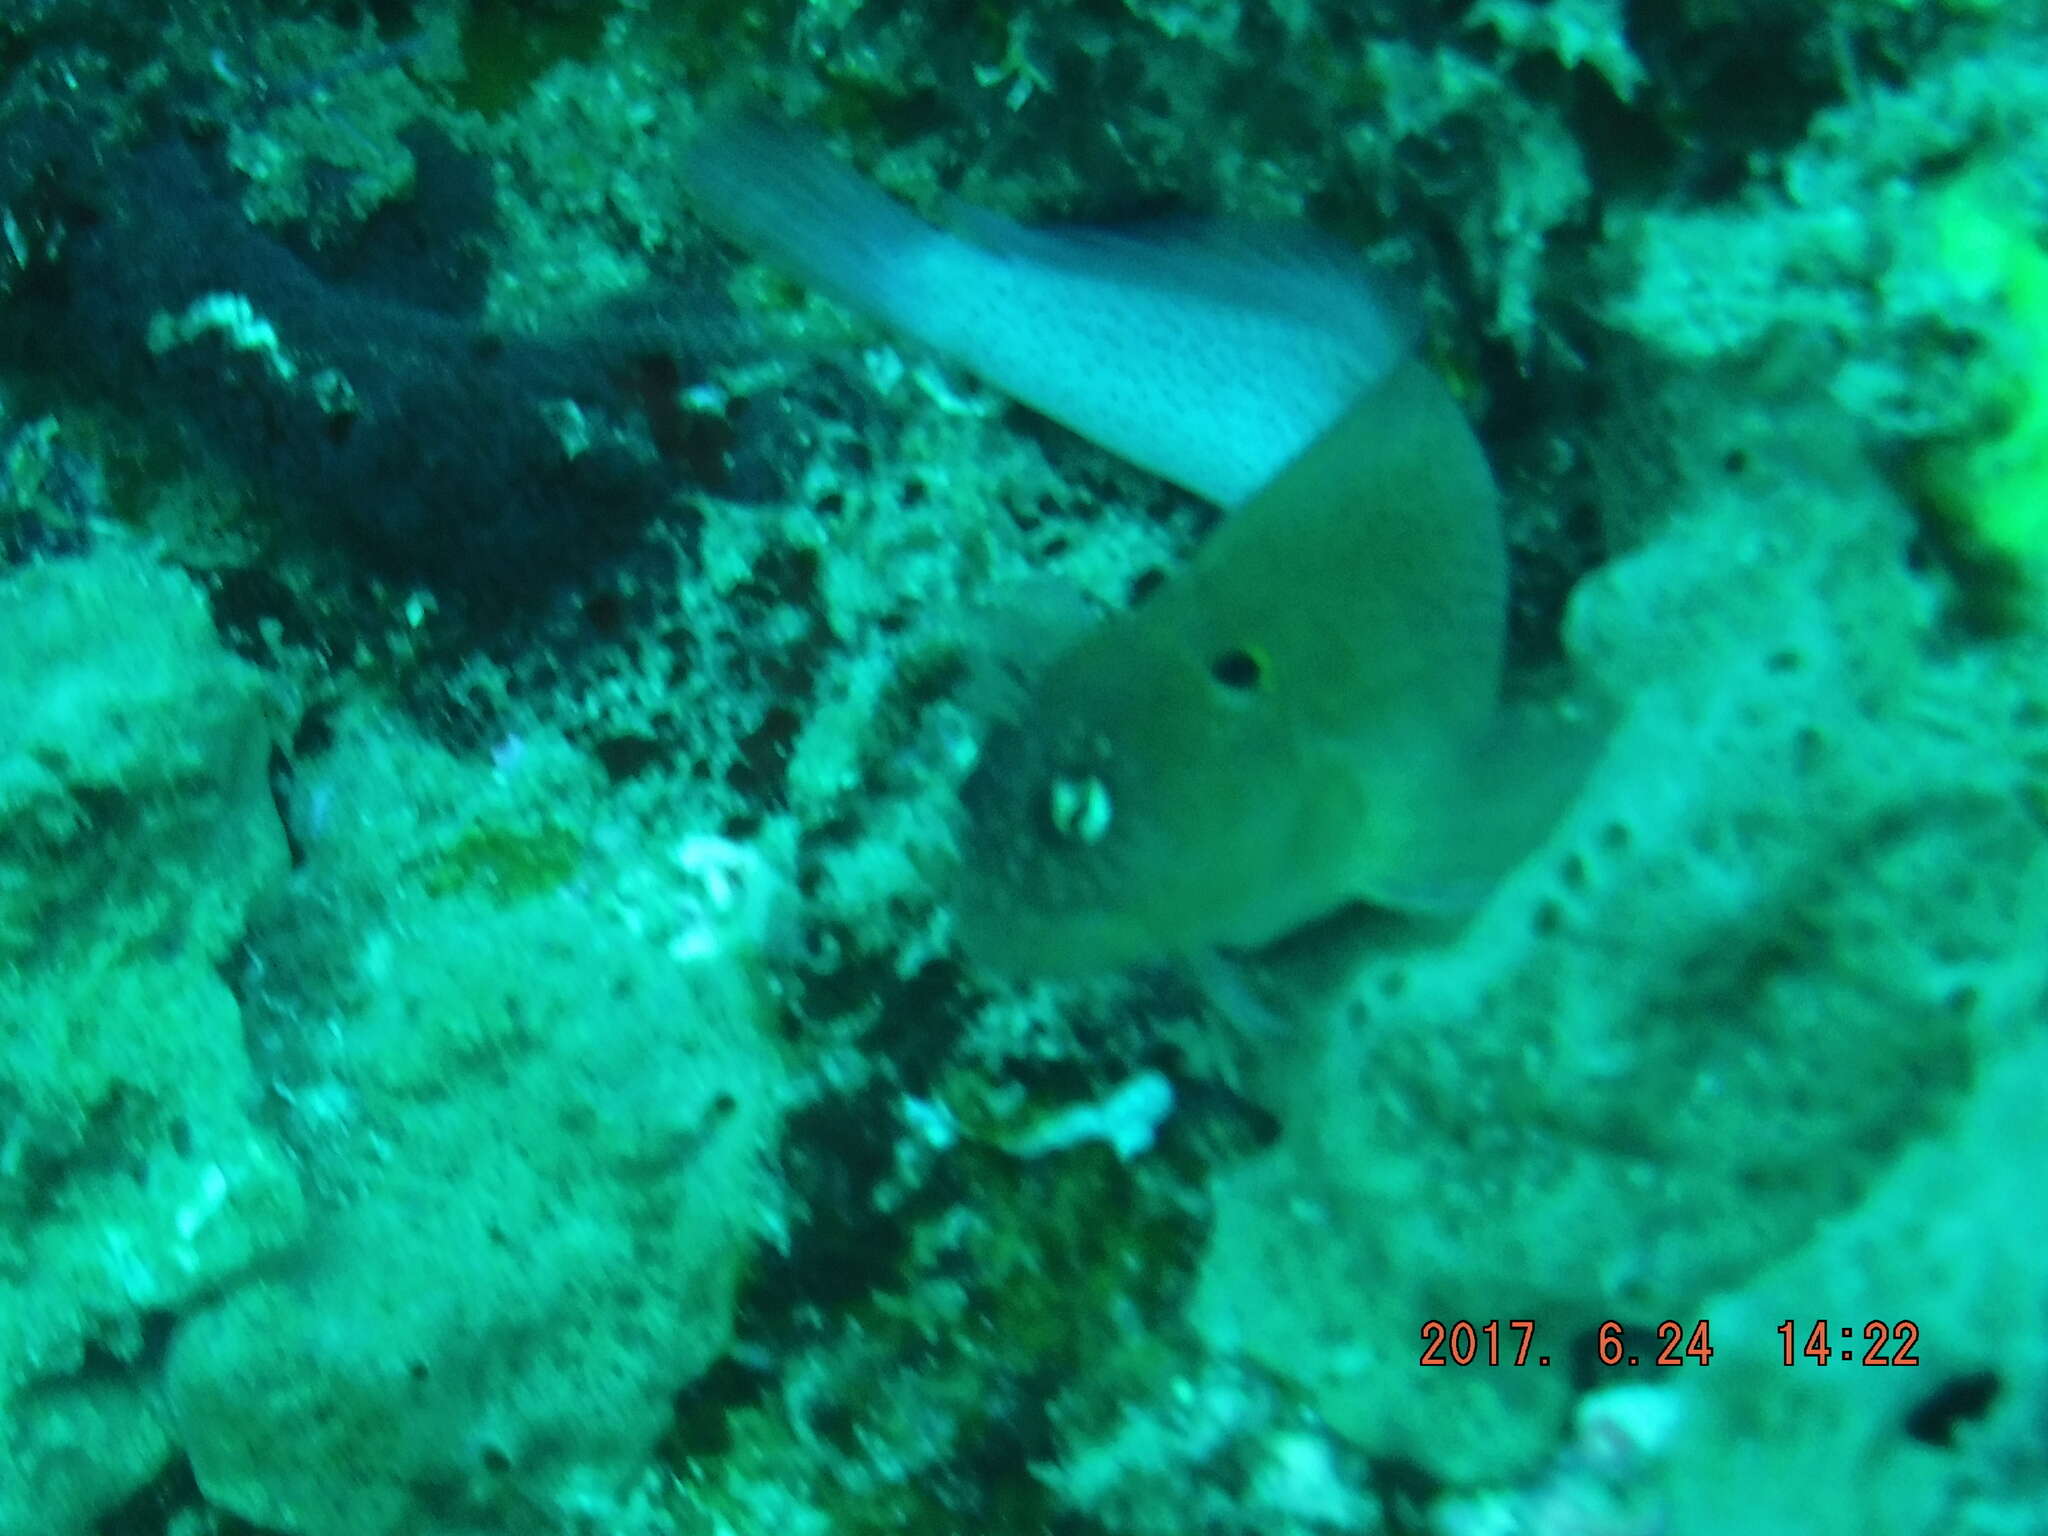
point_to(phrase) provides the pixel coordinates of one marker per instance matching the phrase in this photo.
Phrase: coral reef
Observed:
(1818, 835)
(486, 676)
(136, 827)
(1938, 1243)
(536, 1140)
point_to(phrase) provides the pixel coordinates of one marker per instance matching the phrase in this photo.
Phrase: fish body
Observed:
(1210, 355)
(1309, 714)
(1289, 724)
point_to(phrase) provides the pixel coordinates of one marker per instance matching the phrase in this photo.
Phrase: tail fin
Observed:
(788, 200)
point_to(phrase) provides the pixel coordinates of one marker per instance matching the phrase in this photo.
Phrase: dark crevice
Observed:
(1937, 1417)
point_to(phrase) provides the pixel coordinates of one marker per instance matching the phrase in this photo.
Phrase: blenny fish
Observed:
(1310, 713)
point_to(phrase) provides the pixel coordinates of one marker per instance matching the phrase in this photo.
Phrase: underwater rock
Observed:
(1772, 947)
(136, 827)
(536, 1137)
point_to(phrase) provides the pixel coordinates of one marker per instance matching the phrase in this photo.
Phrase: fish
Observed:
(1310, 713)
(1307, 716)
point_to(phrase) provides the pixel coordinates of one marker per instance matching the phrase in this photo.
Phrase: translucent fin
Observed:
(1489, 809)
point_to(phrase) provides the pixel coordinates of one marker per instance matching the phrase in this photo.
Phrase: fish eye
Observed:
(1079, 810)
(1238, 669)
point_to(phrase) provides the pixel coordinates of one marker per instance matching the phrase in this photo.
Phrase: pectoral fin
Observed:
(1473, 815)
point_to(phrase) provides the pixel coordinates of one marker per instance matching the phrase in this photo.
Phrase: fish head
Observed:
(1153, 798)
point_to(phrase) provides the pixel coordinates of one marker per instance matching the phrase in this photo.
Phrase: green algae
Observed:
(505, 864)
(507, 47)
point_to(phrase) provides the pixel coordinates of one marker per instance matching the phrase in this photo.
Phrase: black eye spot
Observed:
(1237, 669)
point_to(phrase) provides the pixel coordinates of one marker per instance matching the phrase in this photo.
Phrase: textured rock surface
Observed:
(537, 1144)
(1949, 1240)
(1759, 988)
(136, 826)
(1775, 943)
